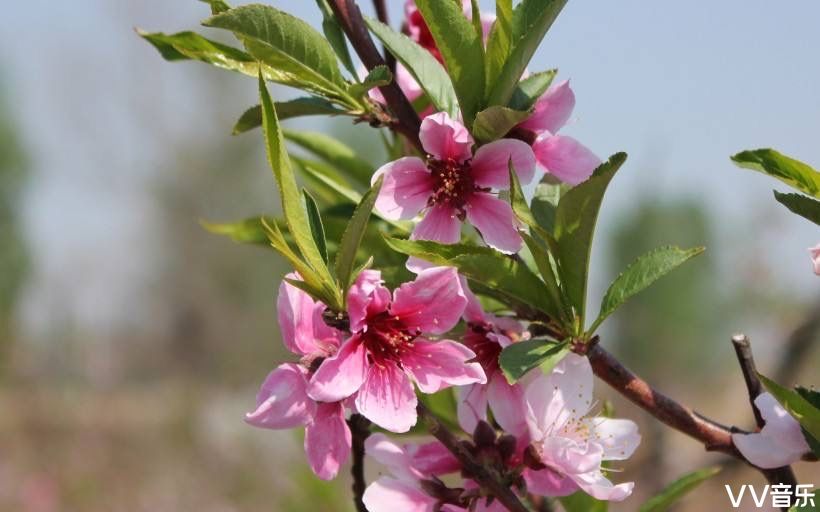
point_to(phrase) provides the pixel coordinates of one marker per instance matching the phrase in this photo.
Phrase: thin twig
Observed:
(360, 431)
(743, 349)
(350, 18)
(485, 477)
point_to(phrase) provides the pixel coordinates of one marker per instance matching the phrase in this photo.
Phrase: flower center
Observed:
(452, 183)
(386, 338)
(486, 350)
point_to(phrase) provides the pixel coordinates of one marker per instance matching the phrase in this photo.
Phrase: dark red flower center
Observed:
(386, 338)
(486, 350)
(452, 183)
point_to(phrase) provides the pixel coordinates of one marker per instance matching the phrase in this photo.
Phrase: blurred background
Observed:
(132, 341)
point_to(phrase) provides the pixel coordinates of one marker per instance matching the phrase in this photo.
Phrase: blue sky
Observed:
(680, 86)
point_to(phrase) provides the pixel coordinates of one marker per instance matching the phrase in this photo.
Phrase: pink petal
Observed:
(440, 224)
(599, 487)
(570, 456)
(495, 220)
(433, 459)
(342, 375)
(490, 165)
(438, 365)
(392, 495)
(367, 295)
(779, 443)
(619, 438)
(387, 398)
(295, 311)
(473, 313)
(815, 258)
(565, 158)
(472, 406)
(409, 86)
(326, 339)
(391, 455)
(563, 395)
(433, 303)
(405, 190)
(547, 482)
(552, 110)
(327, 440)
(507, 403)
(282, 401)
(443, 138)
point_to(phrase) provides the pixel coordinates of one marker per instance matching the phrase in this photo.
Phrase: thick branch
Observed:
(350, 18)
(360, 431)
(714, 436)
(482, 475)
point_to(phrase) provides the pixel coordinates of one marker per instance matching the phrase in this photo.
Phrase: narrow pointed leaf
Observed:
(334, 152)
(813, 397)
(248, 231)
(192, 46)
(299, 107)
(377, 77)
(494, 122)
(677, 489)
(788, 170)
(486, 266)
(801, 205)
(575, 220)
(316, 227)
(352, 237)
(801, 409)
(462, 50)
(640, 274)
(292, 206)
(335, 36)
(217, 6)
(421, 64)
(499, 41)
(528, 90)
(521, 357)
(531, 20)
(285, 43)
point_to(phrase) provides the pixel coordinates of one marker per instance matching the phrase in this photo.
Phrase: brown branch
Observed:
(351, 21)
(360, 431)
(485, 477)
(381, 14)
(743, 350)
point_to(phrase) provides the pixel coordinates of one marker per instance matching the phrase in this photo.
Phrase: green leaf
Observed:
(292, 206)
(808, 505)
(531, 20)
(528, 90)
(575, 220)
(308, 106)
(352, 237)
(300, 55)
(192, 46)
(801, 205)
(499, 41)
(803, 411)
(217, 6)
(788, 170)
(335, 36)
(334, 152)
(582, 502)
(427, 71)
(813, 397)
(377, 77)
(316, 227)
(640, 274)
(494, 122)
(462, 50)
(519, 358)
(501, 273)
(248, 231)
(677, 489)
(545, 203)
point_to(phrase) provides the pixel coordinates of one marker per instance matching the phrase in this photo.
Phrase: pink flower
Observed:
(409, 466)
(389, 349)
(454, 184)
(419, 32)
(283, 402)
(487, 335)
(815, 258)
(779, 443)
(562, 156)
(569, 444)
